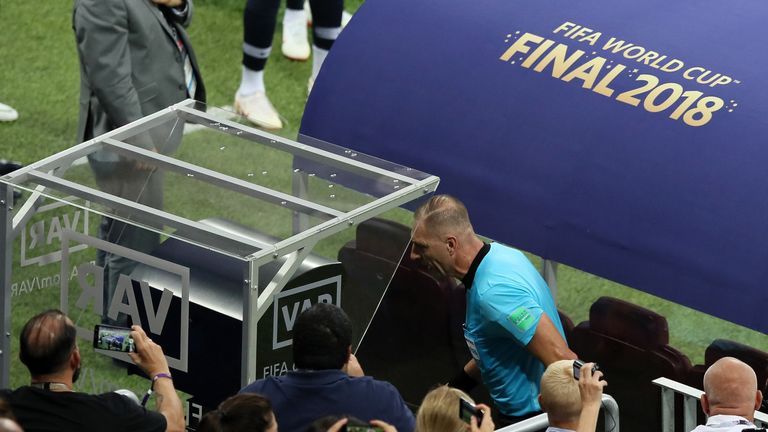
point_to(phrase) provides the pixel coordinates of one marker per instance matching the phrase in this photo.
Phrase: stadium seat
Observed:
(631, 345)
(385, 238)
(368, 262)
(720, 348)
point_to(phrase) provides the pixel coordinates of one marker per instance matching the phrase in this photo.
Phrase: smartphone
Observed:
(467, 410)
(577, 364)
(363, 428)
(113, 338)
(360, 427)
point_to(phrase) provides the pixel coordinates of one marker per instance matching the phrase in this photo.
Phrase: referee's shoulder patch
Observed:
(521, 318)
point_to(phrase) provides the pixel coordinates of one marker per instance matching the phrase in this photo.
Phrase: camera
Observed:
(467, 410)
(113, 338)
(577, 364)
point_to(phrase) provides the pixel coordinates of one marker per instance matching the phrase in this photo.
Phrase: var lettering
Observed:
(289, 315)
(38, 234)
(94, 293)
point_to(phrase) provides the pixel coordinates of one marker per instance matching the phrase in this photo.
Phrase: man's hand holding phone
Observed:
(150, 359)
(149, 356)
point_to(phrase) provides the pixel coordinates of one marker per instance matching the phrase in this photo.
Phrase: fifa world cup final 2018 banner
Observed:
(627, 139)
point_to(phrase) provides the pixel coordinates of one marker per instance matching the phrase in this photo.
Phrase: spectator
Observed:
(571, 405)
(240, 413)
(135, 59)
(8, 425)
(259, 21)
(7, 419)
(439, 412)
(7, 114)
(730, 396)
(512, 326)
(328, 380)
(48, 348)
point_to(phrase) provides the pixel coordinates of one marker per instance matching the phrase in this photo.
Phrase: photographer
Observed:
(439, 412)
(48, 347)
(327, 379)
(572, 404)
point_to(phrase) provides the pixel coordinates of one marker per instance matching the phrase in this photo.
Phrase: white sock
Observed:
(251, 82)
(318, 57)
(294, 16)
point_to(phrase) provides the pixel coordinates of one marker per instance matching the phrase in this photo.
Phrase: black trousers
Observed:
(260, 20)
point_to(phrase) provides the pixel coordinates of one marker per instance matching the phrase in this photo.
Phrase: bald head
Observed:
(46, 342)
(730, 387)
(444, 214)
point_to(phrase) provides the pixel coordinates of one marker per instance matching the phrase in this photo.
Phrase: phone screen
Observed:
(365, 428)
(113, 338)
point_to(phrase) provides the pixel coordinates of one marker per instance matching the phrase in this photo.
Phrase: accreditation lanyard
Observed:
(189, 72)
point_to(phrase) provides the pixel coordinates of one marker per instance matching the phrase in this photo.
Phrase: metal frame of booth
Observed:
(47, 173)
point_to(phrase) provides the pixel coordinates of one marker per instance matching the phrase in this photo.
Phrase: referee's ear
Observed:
(451, 245)
(758, 400)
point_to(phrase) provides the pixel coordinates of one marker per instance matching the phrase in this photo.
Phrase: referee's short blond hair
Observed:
(444, 214)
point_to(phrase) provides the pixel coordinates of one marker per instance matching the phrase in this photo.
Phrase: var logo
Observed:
(89, 290)
(290, 303)
(41, 238)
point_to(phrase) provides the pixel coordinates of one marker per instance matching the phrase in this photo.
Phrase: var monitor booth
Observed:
(213, 236)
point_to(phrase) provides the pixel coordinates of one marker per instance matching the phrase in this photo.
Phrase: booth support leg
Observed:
(549, 272)
(6, 261)
(250, 325)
